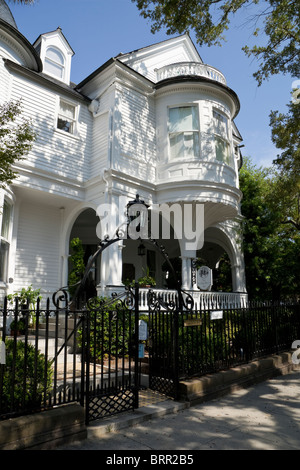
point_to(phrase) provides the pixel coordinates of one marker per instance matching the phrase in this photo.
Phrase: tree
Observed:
(271, 247)
(209, 19)
(16, 139)
(286, 136)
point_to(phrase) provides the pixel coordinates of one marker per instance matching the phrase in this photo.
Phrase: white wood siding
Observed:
(136, 134)
(100, 144)
(54, 151)
(37, 253)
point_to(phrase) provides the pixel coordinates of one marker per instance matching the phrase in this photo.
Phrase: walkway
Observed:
(263, 417)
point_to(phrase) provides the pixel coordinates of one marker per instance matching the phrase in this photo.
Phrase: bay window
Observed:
(184, 132)
(222, 147)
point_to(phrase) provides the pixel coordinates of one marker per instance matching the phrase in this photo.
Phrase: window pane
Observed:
(55, 55)
(183, 119)
(53, 68)
(64, 125)
(177, 145)
(4, 247)
(67, 110)
(184, 144)
(5, 220)
(220, 124)
(222, 150)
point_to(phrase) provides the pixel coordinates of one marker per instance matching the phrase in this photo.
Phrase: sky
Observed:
(100, 29)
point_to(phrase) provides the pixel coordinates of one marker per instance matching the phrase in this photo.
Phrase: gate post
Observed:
(136, 346)
(176, 352)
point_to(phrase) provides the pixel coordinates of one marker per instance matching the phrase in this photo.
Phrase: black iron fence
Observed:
(213, 340)
(41, 360)
(54, 356)
(51, 356)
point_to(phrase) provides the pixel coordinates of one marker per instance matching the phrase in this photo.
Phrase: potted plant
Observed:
(147, 280)
(27, 298)
(17, 327)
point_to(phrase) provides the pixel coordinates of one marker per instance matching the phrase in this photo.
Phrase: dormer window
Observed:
(54, 63)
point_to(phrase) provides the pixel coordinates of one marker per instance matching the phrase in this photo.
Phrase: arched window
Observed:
(54, 62)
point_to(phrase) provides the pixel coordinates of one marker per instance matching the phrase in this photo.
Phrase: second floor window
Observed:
(184, 132)
(66, 119)
(221, 138)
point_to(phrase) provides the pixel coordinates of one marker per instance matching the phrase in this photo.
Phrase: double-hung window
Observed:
(5, 240)
(184, 132)
(66, 119)
(222, 146)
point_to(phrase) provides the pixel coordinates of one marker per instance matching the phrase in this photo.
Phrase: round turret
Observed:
(6, 14)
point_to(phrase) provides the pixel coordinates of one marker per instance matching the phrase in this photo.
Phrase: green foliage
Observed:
(110, 330)
(146, 280)
(16, 139)
(26, 376)
(278, 20)
(77, 263)
(271, 248)
(26, 296)
(286, 136)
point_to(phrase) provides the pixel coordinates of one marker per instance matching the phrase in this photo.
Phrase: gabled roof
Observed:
(58, 29)
(147, 59)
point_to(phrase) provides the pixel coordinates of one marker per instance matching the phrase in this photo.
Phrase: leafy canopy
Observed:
(16, 139)
(209, 19)
(271, 243)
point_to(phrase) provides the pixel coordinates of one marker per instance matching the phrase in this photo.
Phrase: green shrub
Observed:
(111, 329)
(24, 380)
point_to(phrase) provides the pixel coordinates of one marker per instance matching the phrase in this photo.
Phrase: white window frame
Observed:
(51, 61)
(221, 137)
(65, 118)
(186, 155)
(5, 239)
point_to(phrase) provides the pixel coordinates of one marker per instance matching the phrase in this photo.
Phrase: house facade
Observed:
(157, 122)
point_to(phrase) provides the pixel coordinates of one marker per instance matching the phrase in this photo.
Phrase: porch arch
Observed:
(225, 239)
(68, 222)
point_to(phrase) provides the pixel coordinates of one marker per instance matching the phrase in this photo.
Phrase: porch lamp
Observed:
(141, 250)
(143, 214)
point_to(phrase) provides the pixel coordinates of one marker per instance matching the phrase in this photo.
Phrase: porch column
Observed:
(186, 272)
(114, 265)
(238, 278)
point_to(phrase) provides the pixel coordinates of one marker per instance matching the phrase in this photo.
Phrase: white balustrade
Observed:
(190, 69)
(202, 300)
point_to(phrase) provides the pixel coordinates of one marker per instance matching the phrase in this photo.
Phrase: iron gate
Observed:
(163, 346)
(110, 356)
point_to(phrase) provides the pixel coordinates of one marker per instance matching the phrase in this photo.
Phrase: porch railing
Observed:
(202, 300)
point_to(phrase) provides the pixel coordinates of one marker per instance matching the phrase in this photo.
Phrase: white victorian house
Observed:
(157, 122)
